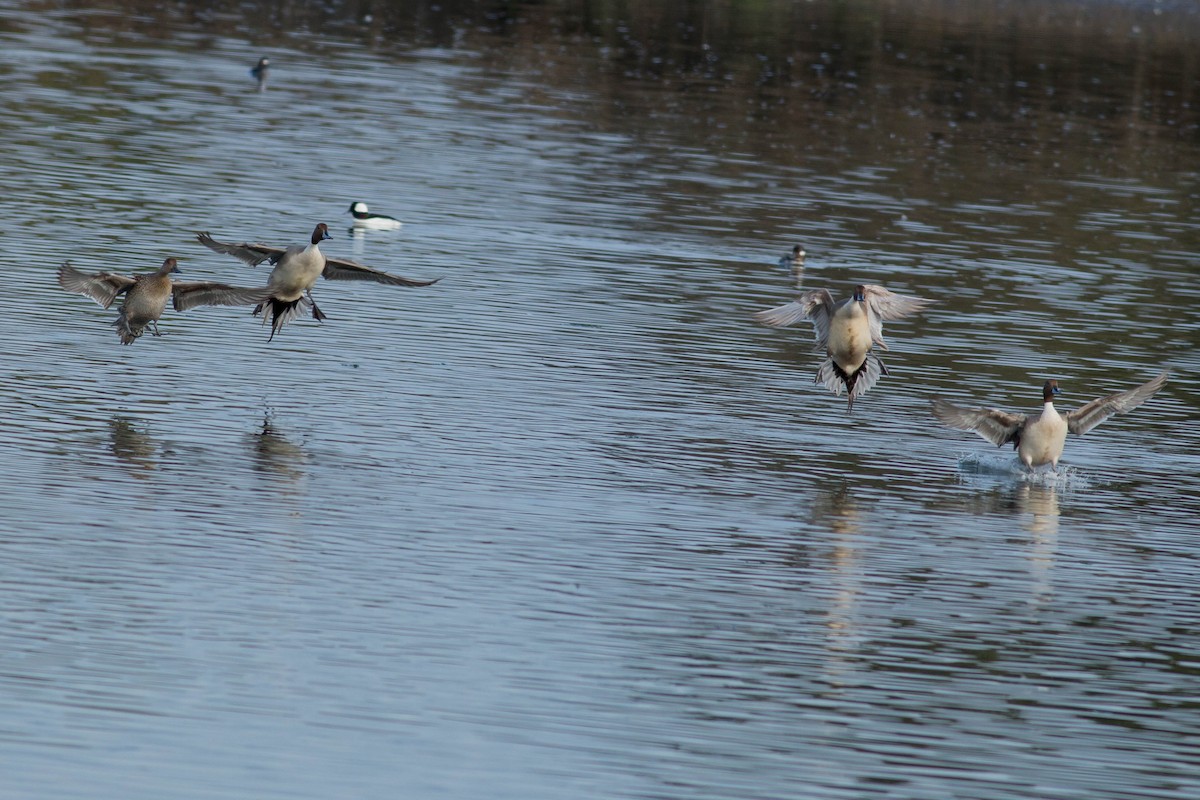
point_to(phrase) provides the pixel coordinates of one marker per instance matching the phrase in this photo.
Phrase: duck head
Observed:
(1049, 390)
(320, 233)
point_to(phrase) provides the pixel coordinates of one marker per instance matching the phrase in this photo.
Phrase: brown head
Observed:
(168, 266)
(320, 233)
(1049, 390)
(860, 293)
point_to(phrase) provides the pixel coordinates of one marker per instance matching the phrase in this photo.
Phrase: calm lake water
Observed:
(569, 523)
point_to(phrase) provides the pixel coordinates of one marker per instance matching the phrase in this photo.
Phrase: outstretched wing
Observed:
(816, 305)
(339, 269)
(252, 254)
(997, 426)
(884, 304)
(1084, 418)
(103, 287)
(190, 295)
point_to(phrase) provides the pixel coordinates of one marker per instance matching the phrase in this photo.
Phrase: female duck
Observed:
(1039, 438)
(363, 218)
(846, 331)
(296, 271)
(146, 295)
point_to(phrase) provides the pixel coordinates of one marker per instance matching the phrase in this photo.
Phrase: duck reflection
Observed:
(134, 448)
(275, 455)
(837, 511)
(1039, 505)
(1035, 506)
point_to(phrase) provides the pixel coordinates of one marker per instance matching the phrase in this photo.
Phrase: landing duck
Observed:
(146, 295)
(1040, 438)
(846, 332)
(296, 271)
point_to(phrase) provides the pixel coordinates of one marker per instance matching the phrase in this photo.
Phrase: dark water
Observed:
(568, 523)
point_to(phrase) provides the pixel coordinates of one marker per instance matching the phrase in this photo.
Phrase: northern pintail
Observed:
(846, 331)
(296, 271)
(363, 218)
(1039, 438)
(146, 295)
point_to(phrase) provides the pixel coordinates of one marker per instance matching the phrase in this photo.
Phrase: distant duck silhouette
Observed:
(1040, 438)
(260, 71)
(296, 271)
(846, 332)
(146, 295)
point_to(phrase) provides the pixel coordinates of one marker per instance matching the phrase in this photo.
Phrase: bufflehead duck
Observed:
(146, 295)
(364, 219)
(794, 263)
(259, 72)
(1040, 438)
(296, 271)
(846, 331)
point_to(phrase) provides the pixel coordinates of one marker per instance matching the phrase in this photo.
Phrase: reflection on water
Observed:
(135, 448)
(836, 511)
(570, 523)
(1039, 507)
(274, 453)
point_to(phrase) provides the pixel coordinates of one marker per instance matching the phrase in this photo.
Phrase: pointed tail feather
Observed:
(856, 383)
(280, 312)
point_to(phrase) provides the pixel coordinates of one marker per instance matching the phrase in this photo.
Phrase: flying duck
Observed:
(846, 331)
(1039, 438)
(296, 271)
(146, 295)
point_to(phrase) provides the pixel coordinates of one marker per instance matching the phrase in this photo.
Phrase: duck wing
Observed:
(339, 269)
(103, 287)
(883, 304)
(192, 294)
(816, 305)
(997, 426)
(252, 254)
(1086, 417)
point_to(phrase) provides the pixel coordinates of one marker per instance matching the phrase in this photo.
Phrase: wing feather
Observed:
(997, 426)
(884, 304)
(339, 269)
(816, 305)
(1086, 417)
(192, 294)
(252, 254)
(103, 287)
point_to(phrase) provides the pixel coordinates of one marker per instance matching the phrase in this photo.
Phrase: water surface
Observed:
(569, 523)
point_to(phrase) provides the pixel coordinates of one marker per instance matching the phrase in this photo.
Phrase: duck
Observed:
(794, 259)
(847, 331)
(296, 271)
(260, 71)
(364, 219)
(1039, 439)
(146, 295)
(793, 262)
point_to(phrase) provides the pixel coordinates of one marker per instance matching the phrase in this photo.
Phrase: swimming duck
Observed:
(364, 219)
(146, 295)
(296, 271)
(846, 331)
(1039, 438)
(793, 259)
(794, 263)
(260, 71)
